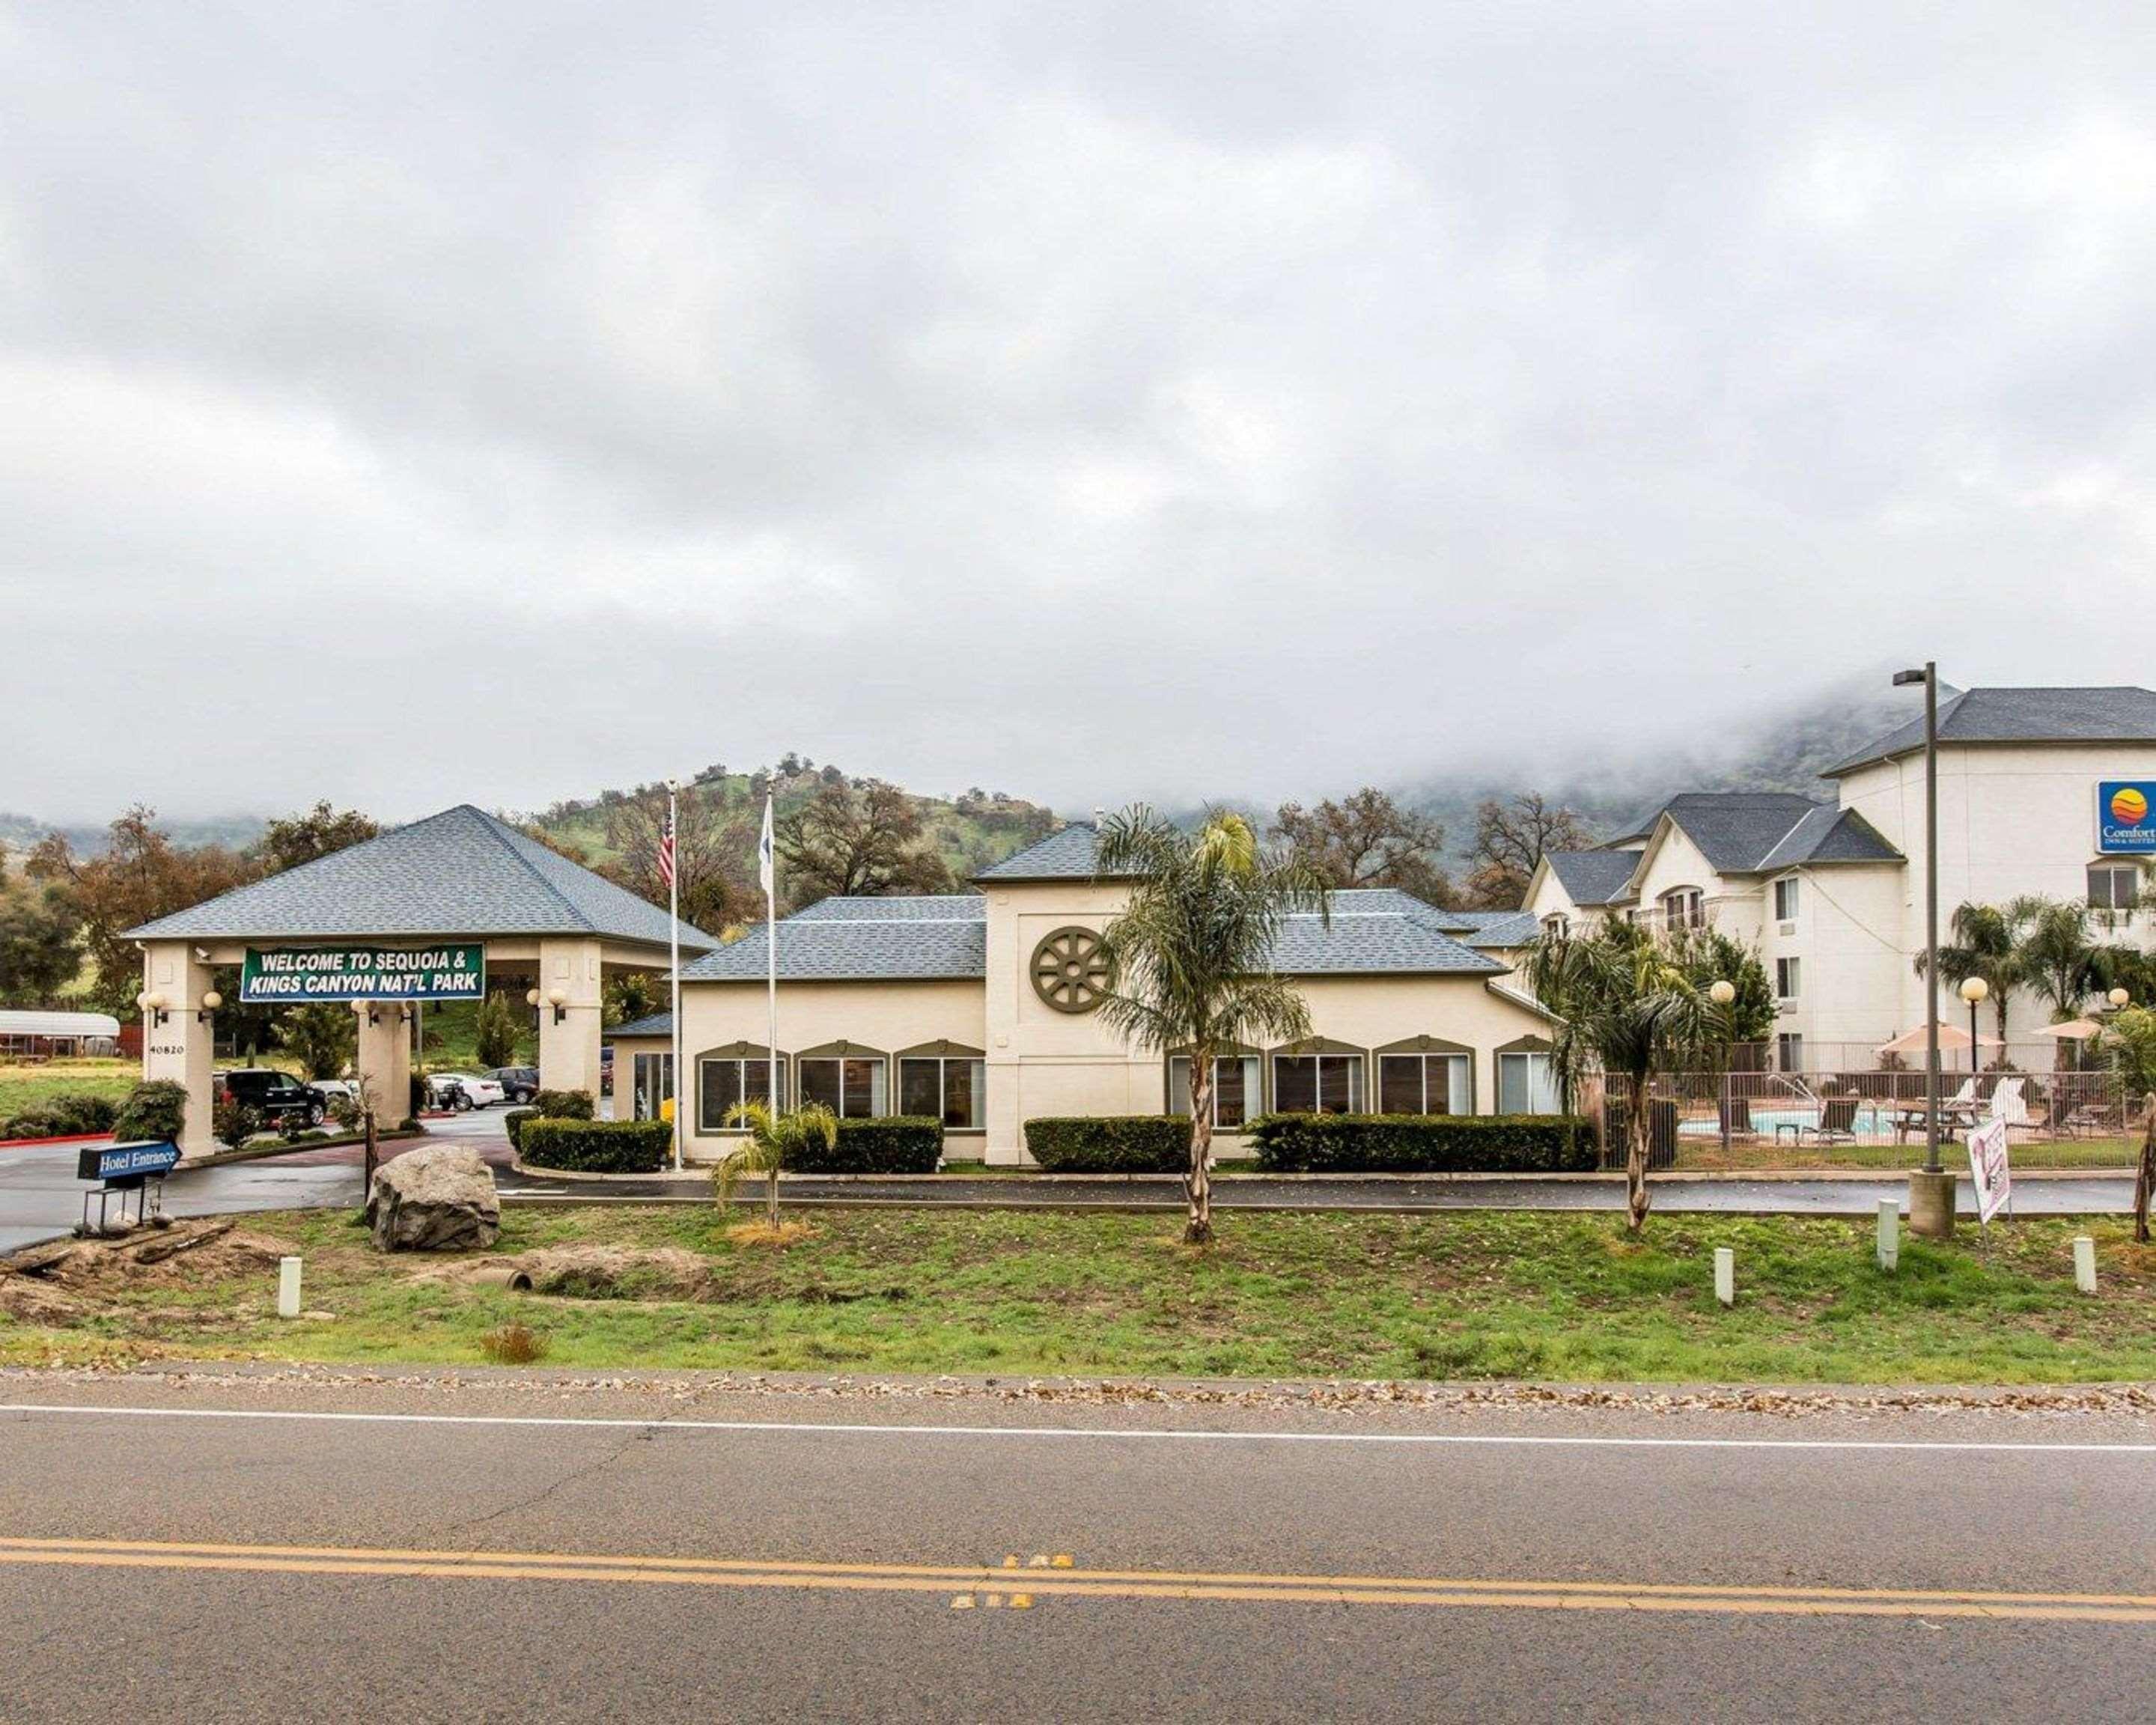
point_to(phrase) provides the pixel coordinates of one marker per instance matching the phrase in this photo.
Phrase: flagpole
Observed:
(673, 938)
(767, 866)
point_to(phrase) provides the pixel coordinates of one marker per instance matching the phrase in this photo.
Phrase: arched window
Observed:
(741, 1071)
(945, 1081)
(1684, 907)
(1425, 1074)
(1318, 1076)
(852, 1080)
(1527, 1081)
(1237, 1092)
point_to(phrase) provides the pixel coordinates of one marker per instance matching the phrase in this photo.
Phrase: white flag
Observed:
(766, 873)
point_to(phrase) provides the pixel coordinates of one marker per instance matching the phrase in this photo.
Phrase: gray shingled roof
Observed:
(1735, 829)
(460, 872)
(1499, 929)
(658, 1023)
(1373, 930)
(1591, 877)
(1066, 854)
(1829, 834)
(2124, 714)
(862, 939)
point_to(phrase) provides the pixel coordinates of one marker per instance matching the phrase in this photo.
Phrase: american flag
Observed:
(666, 853)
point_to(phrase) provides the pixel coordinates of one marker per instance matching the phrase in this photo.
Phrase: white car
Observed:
(463, 1090)
(330, 1089)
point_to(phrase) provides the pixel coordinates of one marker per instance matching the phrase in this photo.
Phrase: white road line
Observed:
(1456, 1439)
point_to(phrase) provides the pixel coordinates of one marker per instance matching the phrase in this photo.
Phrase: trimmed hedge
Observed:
(73, 1115)
(597, 1146)
(512, 1125)
(1111, 1143)
(1419, 1143)
(155, 1110)
(563, 1104)
(896, 1144)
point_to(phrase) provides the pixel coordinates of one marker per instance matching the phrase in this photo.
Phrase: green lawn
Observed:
(24, 1083)
(1472, 1295)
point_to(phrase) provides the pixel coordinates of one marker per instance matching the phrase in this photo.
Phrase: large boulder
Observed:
(440, 1200)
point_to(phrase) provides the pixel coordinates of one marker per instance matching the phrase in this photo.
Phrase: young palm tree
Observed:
(2054, 952)
(773, 1140)
(1987, 943)
(1190, 955)
(1623, 1005)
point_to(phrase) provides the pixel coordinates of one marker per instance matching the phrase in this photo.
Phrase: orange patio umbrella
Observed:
(1913, 1041)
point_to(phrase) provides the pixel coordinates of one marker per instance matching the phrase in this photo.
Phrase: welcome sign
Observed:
(2124, 823)
(295, 976)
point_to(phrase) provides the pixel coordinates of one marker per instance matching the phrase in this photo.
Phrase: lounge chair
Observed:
(1837, 1121)
(1737, 1118)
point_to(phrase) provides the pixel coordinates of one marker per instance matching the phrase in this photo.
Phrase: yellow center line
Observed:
(1232, 1587)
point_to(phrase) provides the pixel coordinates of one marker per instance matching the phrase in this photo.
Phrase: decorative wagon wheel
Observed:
(1070, 972)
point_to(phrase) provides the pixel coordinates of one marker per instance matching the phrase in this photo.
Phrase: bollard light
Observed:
(1890, 1233)
(1725, 1275)
(288, 1287)
(2084, 1264)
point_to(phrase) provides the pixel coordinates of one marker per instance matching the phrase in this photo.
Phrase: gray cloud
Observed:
(1090, 401)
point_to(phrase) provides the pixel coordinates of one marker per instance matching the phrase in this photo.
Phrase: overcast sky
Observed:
(405, 404)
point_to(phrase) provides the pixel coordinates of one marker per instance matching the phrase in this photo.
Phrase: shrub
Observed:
(1419, 1143)
(74, 1115)
(563, 1104)
(512, 1124)
(155, 1110)
(513, 1345)
(899, 1144)
(1111, 1143)
(596, 1146)
(233, 1123)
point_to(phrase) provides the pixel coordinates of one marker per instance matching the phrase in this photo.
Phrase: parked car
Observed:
(460, 1090)
(332, 1091)
(519, 1084)
(276, 1096)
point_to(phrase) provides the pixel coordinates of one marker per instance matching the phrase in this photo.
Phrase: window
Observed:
(1423, 1084)
(1685, 908)
(1526, 1084)
(952, 1089)
(1235, 1088)
(851, 1087)
(654, 1079)
(1788, 973)
(1785, 899)
(2114, 886)
(1789, 1052)
(1557, 923)
(724, 1079)
(1318, 1084)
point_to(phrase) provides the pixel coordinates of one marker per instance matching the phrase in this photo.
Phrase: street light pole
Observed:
(1935, 1215)
(1974, 989)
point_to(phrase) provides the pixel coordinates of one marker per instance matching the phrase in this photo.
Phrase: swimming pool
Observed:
(1872, 1121)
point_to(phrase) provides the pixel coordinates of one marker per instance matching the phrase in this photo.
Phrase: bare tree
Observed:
(865, 838)
(1367, 839)
(712, 855)
(1511, 838)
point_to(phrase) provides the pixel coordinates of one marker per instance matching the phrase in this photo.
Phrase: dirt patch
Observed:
(65, 1280)
(763, 1234)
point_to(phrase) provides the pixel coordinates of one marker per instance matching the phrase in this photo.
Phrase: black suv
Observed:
(276, 1095)
(519, 1084)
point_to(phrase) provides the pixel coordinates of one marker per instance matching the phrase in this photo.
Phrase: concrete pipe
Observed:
(504, 1276)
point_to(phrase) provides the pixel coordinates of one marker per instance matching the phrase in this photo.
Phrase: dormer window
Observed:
(1557, 924)
(1684, 908)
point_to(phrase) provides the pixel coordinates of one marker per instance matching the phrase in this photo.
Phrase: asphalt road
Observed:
(664, 1552)
(39, 1196)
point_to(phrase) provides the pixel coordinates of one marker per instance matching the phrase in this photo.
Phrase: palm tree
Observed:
(1624, 1004)
(2055, 954)
(773, 1140)
(1987, 943)
(1190, 955)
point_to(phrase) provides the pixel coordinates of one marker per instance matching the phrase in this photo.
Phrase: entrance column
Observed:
(570, 1025)
(383, 1058)
(176, 1044)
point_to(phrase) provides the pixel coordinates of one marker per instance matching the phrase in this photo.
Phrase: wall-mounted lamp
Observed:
(371, 1010)
(153, 1006)
(558, 999)
(211, 1001)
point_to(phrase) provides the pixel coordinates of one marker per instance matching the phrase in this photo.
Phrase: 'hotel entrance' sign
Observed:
(297, 975)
